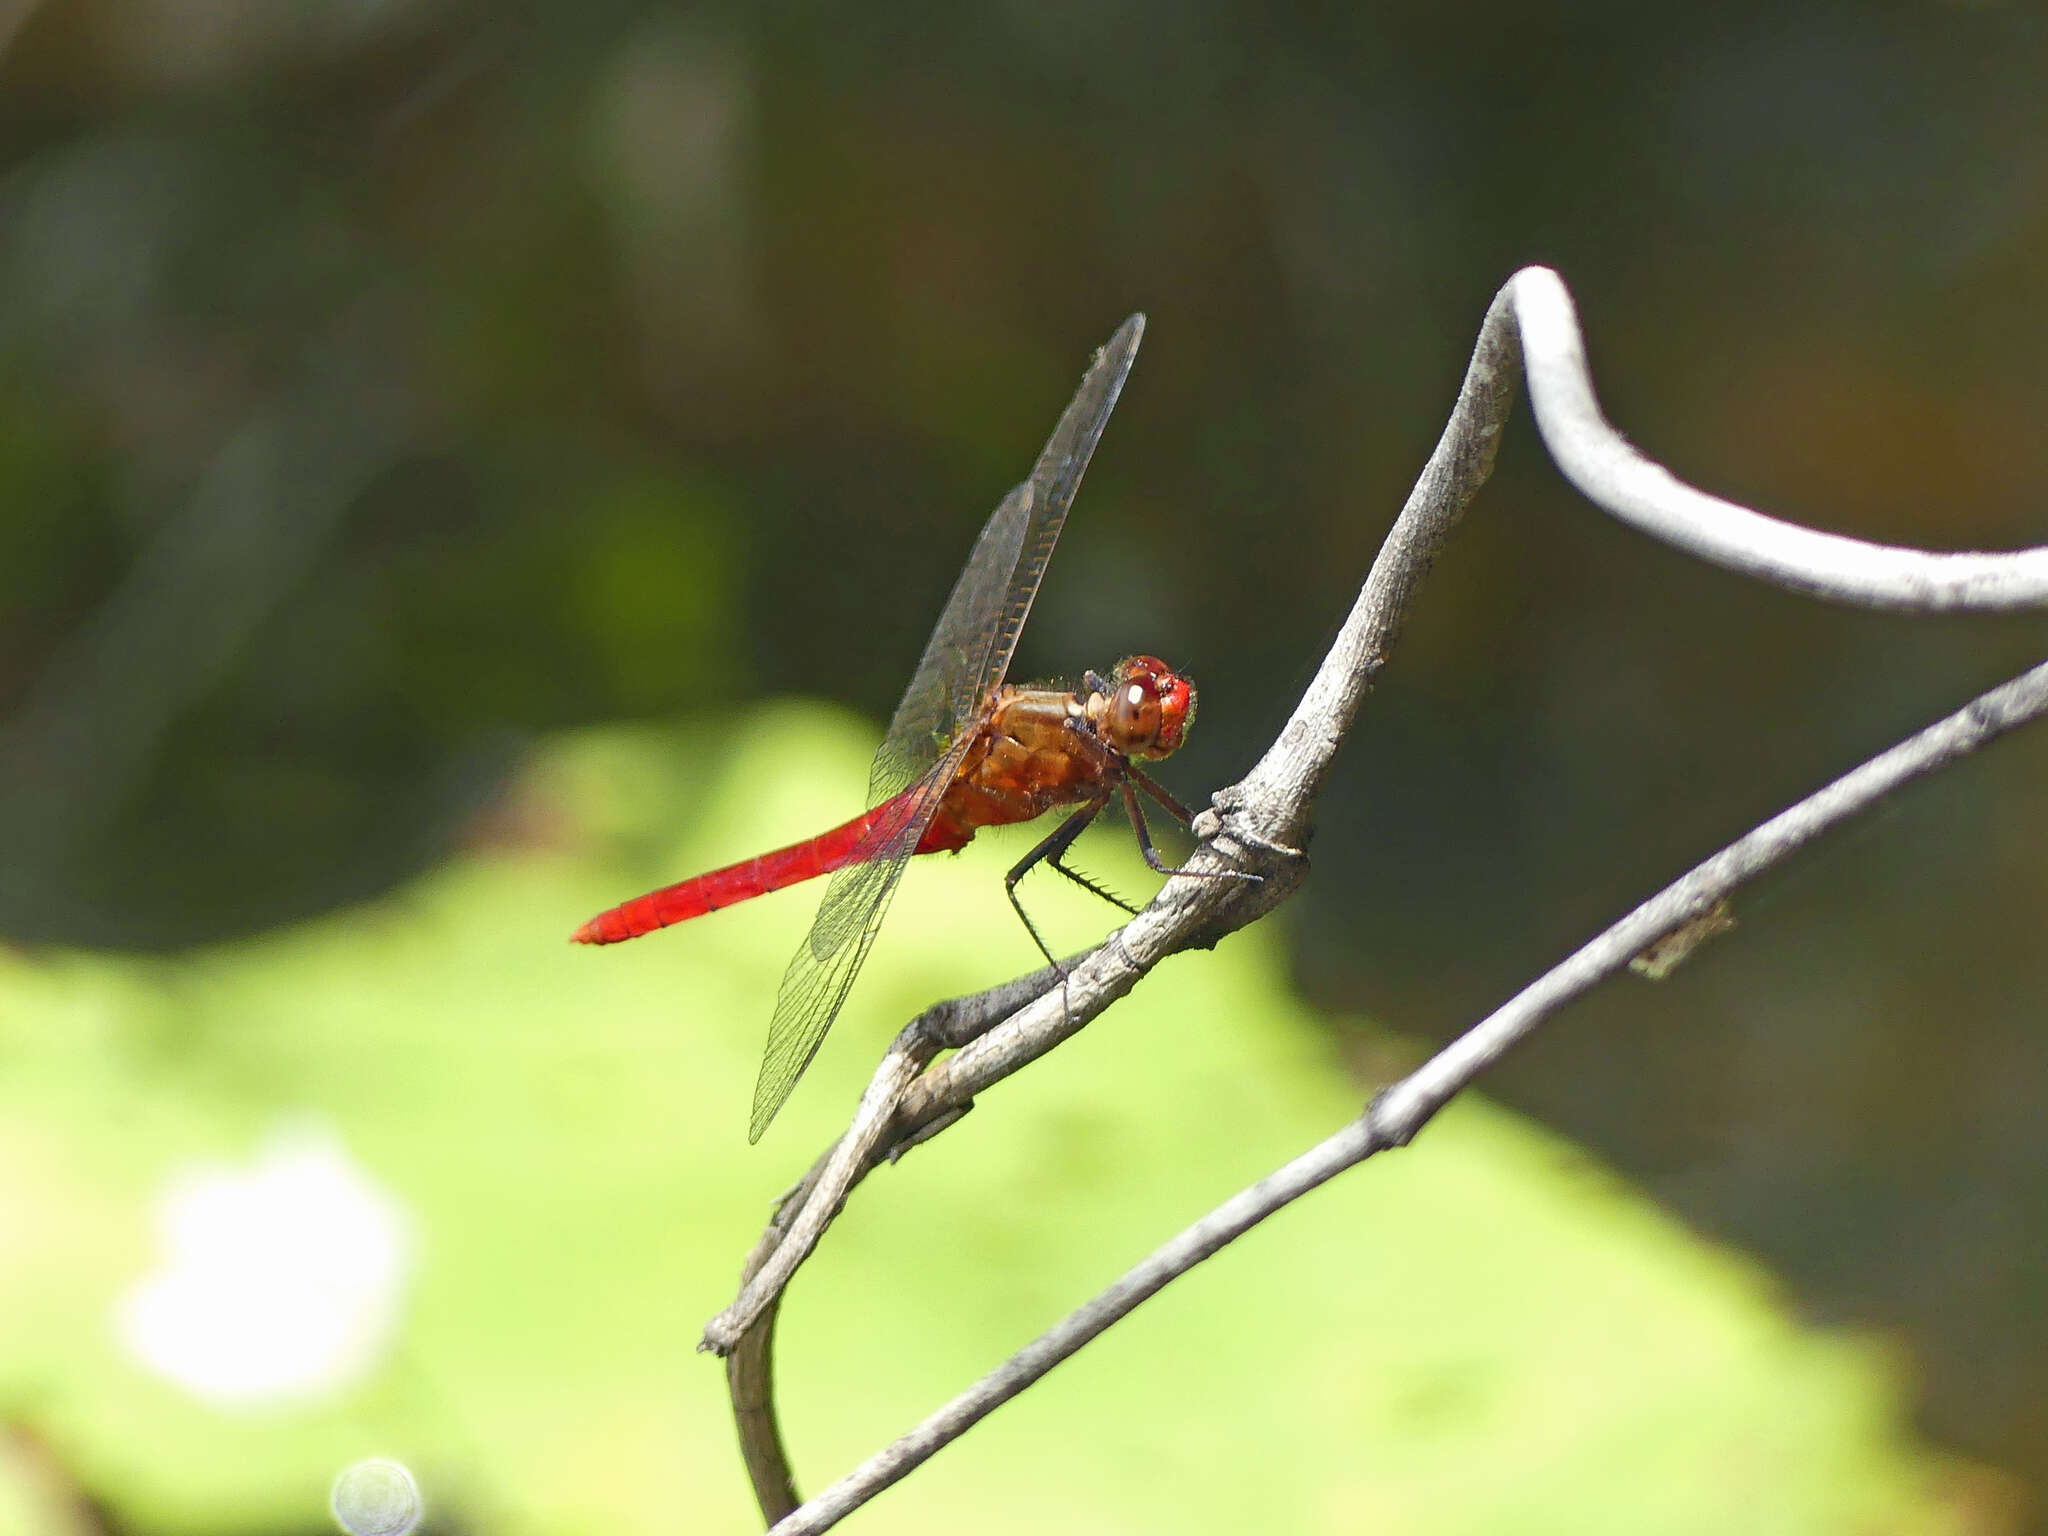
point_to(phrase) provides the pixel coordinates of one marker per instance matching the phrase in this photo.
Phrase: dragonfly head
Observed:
(1147, 710)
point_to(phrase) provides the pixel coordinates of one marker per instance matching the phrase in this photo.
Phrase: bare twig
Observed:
(880, 1130)
(1260, 824)
(878, 1127)
(1612, 475)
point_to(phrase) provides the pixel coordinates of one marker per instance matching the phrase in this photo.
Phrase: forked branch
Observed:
(1260, 823)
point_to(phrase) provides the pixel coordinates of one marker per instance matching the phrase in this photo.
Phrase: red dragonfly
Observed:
(964, 751)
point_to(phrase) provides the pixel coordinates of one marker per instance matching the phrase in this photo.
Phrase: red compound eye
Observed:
(1151, 707)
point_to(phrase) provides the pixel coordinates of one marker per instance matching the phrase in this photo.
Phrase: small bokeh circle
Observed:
(376, 1498)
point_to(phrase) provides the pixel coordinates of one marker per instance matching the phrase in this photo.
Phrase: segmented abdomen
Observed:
(850, 843)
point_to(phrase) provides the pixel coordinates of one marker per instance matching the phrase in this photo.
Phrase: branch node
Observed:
(1228, 820)
(928, 1130)
(1385, 1126)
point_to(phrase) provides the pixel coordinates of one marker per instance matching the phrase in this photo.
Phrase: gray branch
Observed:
(1259, 824)
(1611, 474)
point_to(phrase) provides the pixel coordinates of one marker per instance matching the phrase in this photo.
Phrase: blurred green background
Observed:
(388, 388)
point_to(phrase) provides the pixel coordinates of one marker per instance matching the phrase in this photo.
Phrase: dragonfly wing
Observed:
(944, 691)
(821, 972)
(971, 646)
(967, 656)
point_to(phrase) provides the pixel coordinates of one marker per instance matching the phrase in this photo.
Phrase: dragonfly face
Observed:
(1146, 709)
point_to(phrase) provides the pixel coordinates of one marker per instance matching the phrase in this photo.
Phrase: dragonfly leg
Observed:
(1152, 860)
(1171, 806)
(1085, 882)
(1048, 852)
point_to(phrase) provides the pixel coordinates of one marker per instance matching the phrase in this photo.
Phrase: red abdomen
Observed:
(850, 843)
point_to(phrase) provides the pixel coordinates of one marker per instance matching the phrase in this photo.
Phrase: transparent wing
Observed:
(971, 646)
(821, 972)
(967, 656)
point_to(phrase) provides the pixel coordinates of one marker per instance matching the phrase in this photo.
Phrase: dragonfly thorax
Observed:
(1145, 711)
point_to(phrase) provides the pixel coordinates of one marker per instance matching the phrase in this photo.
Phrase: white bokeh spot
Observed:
(376, 1498)
(278, 1281)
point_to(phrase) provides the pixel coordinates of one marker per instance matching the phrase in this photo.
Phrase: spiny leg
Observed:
(1058, 842)
(1088, 883)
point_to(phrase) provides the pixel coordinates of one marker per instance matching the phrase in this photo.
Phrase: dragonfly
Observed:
(964, 750)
